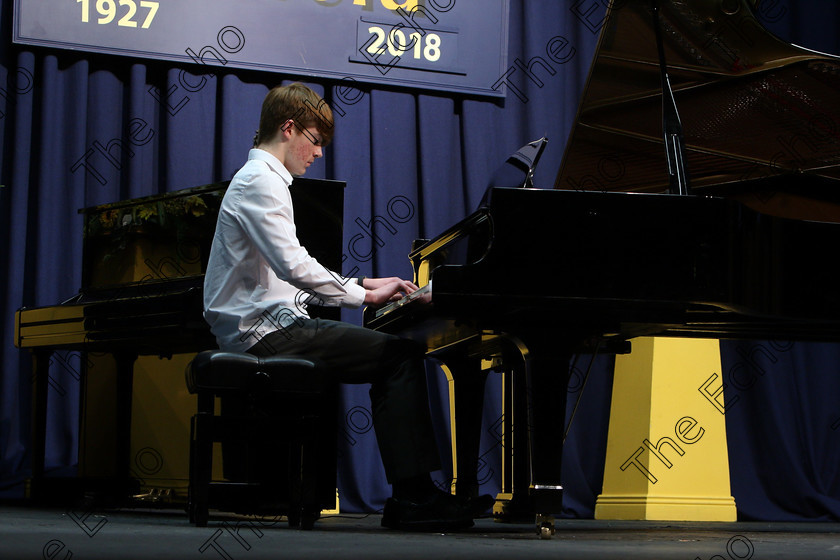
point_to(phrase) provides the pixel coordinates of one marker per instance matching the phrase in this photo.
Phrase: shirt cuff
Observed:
(355, 295)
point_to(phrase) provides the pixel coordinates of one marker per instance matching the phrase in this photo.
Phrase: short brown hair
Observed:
(299, 103)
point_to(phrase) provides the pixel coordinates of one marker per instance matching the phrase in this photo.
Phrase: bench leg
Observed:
(305, 507)
(201, 467)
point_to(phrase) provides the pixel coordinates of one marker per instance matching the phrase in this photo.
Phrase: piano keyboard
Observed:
(420, 292)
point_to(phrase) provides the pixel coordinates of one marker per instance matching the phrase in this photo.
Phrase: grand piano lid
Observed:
(759, 115)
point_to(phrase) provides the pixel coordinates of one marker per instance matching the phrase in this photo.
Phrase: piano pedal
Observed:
(545, 525)
(155, 495)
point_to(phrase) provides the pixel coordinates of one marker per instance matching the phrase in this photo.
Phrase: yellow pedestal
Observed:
(666, 448)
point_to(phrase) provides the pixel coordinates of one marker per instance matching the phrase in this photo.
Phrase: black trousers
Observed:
(395, 369)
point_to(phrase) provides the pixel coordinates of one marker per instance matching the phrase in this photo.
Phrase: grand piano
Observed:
(614, 251)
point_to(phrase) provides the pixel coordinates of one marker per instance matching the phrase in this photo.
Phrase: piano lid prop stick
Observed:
(671, 124)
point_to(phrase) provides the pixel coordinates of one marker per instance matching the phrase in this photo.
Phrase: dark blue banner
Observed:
(453, 45)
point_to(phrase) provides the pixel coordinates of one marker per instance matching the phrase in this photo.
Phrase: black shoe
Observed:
(478, 505)
(441, 513)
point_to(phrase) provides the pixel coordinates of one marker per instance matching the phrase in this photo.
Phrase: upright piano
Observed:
(142, 295)
(608, 253)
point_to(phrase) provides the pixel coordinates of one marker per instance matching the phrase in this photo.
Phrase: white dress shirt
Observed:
(259, 276)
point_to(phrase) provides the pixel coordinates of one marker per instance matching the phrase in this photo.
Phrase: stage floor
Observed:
(56, 534)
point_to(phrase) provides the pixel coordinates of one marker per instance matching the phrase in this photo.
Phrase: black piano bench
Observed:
(300, 397)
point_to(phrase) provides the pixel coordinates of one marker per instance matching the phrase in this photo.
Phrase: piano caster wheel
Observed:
(545, 525)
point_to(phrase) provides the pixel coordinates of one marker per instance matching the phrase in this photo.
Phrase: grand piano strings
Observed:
(822, 131)
(590, 14)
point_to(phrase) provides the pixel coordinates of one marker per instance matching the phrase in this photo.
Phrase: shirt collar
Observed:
(272, 162)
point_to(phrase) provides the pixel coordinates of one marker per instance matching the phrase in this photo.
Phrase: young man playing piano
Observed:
(256, 271)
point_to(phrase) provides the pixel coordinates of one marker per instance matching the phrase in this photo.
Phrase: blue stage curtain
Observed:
(783, 428)
(416, 162)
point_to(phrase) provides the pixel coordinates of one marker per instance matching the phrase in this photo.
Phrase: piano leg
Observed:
(513, 503)
(536, 379)
(467, 400)
(40, 387)
(122, 445)
(39, 488)
(547, 378)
